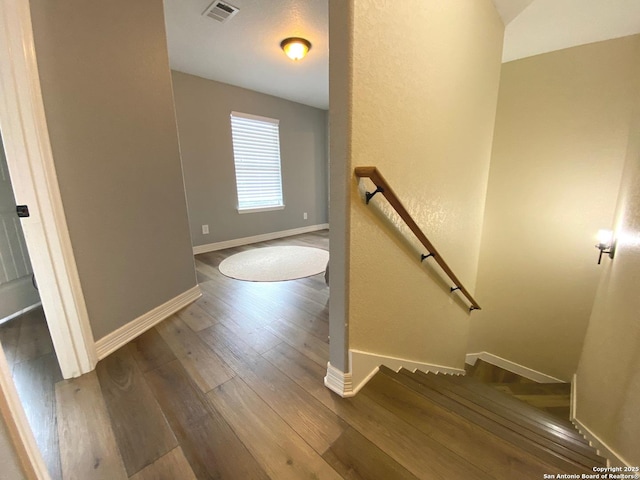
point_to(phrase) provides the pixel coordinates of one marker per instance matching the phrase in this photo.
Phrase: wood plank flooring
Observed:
(29, 351)
(142, 432)
(88, 444)
(231, 387)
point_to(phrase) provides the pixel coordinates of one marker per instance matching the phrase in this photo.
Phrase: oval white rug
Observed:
(275, 264)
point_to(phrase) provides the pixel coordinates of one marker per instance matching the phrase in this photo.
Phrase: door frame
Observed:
(34, 180)
(17, 427)
(33, 177)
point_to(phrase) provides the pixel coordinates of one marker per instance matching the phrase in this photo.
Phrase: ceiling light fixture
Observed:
(295, 47)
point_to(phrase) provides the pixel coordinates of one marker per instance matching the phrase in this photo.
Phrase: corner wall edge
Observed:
(339, 382)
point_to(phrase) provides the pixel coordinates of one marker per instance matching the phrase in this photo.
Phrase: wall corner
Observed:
(338, 381)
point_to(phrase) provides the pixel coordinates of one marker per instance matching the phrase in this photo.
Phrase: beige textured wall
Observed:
(608, 377)
(560, 142)
(424, 92)
(202, 108)
(107, 95)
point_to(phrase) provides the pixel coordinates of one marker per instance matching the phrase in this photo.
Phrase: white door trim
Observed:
(18, 427)
(33, 175)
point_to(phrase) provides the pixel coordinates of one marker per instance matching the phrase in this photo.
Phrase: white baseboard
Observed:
(572, 405)
(113, 341)
(17, 297)
(212, 247)
(604, 450)
(339, 381)
(20, 312)
(364, 365)
(521, 370)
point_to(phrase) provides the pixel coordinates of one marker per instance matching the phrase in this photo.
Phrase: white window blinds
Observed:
(256, 153)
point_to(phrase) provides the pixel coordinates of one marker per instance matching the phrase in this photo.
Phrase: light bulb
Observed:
(604, 238)
(295, 48)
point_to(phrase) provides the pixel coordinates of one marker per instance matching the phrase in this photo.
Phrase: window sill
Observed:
(261, 209)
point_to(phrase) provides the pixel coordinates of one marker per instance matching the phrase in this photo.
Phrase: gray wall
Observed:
(106, 86)
(203, 108)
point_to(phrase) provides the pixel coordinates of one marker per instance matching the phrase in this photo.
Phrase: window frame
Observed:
(267, 122)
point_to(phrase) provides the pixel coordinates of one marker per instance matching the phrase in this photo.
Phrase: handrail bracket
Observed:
(370, 195)
(423, 257)
(383, 187)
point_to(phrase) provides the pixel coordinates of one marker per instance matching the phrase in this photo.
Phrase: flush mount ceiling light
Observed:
(295, 47)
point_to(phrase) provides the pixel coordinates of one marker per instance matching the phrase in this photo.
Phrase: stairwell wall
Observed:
(608, 377)
(559, 148)
(423, 92)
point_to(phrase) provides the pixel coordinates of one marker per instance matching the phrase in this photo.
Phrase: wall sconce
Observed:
(606, 244)
(295, 47)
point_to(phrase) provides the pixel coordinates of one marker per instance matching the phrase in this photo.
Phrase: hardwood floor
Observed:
(232, 388)
(29, 351)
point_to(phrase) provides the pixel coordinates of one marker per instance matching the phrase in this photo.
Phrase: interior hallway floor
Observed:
(146, 405)
(29, 351)
(232, 387)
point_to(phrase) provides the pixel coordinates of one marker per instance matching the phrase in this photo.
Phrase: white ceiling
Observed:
(245, 51)
(540, 26)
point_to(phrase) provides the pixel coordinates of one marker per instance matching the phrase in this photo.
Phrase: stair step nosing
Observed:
(583, 453)
(512, 403)
(567, 434)
(545, 452)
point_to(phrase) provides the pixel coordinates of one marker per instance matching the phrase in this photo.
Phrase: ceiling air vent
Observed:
(221, 11)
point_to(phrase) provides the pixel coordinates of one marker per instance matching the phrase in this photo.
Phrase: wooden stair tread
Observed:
(534, 388)
(542, 401)
(546, 424)
(544, 450)
(511, 408)
(514, 404)
(483, 395)
(559, 412)
(560, 440)
(489, 451)
(539, 395)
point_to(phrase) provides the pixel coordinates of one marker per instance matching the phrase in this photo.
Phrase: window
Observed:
(256, 154)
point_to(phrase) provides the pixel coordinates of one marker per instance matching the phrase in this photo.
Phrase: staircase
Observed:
(554, 398)
(499, 434)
